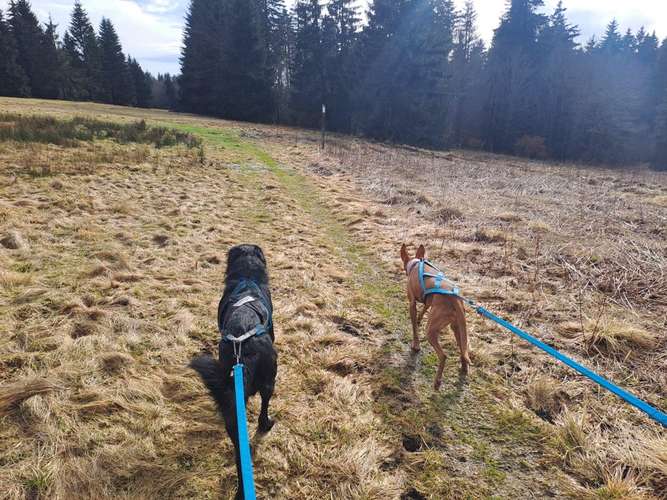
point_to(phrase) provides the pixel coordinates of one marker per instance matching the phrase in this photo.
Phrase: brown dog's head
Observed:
(405, 257)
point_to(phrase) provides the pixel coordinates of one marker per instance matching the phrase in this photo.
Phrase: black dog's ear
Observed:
(260, 254)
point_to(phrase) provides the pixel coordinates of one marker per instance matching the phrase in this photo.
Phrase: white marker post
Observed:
(324, 121)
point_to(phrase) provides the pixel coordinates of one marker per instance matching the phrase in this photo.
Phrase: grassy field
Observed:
(111, 265)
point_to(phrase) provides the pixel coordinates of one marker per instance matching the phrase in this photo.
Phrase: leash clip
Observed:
(237, 350)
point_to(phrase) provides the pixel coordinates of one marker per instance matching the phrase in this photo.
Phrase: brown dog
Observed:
(445, 310)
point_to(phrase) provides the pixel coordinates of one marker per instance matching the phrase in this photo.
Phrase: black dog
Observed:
(245, 308)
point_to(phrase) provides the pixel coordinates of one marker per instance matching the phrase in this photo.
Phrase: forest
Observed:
(406, 71)
(84, 66)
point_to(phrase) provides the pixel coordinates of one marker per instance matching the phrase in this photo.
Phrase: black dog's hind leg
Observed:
(265, 424)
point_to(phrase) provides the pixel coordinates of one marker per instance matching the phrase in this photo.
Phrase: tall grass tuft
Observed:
(46, 129)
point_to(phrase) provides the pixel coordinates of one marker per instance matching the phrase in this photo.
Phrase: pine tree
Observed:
(465, 97)
(277, 34)
(612, 42)
(512, 105)
(53, 64)
(307, 89)
(246, 92)
(660, 134)
(559, 82)
(659, 76)
(116, 82)
(163, 94)
(339, 33)
(141, 84)
(29, 37)
(282, 58)
(84, 58)
(377, 58)
(202, 70)
(647, 47)
(629, 43)
(431, 73)
(13, 81)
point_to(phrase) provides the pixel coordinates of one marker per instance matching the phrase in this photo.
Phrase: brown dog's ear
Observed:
(421, 252)
(404, 254)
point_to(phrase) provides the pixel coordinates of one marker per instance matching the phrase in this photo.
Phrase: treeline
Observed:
(417, 72)
(84, 66)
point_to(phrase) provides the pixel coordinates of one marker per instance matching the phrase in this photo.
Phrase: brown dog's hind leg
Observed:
(461, 334)
(433, 332)
(415, 326)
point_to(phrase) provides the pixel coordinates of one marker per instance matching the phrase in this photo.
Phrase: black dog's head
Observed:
(246, 262)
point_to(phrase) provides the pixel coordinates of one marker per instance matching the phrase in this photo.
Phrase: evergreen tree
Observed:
(13, 81)
(170, 91)
(141, 84)
(116, 84)
(512, 105)
(647, 47)
(307, 89)
(660, 135)
(466, 78)
(659, 74)
(559, 82)
(53, 65)
(278, 36)
(202, 70)
(246, 92)
(29, 37)
(377, 59)
(84, 58)
(404, 62)
(339, 33)
(612, 42)
(282, 59)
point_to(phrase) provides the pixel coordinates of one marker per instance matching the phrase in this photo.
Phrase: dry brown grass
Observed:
(566, 259)
(11, 395)
(545, 397)
(118, 285)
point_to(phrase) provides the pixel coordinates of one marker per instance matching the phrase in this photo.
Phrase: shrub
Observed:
(46, 129)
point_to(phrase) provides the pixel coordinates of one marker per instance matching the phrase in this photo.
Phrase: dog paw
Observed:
(437, 384)
(416, 348)
(266, 425)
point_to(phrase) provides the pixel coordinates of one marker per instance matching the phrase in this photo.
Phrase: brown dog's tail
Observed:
(211, 373)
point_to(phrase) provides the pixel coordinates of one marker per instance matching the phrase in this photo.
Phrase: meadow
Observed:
(112, 251)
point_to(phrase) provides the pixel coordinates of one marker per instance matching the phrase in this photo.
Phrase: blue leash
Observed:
(651, 411)
(244, 443)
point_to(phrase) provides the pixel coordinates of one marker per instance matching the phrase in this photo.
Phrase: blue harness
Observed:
(439, 278)
(246, 293)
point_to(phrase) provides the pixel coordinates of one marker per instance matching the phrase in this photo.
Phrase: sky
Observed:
(151, 30)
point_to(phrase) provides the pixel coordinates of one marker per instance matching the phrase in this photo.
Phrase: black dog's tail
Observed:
(211, 373)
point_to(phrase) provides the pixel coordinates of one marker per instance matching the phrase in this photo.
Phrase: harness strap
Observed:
(439, 278)
(243, 337)
(245, 300)
(256, 301)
